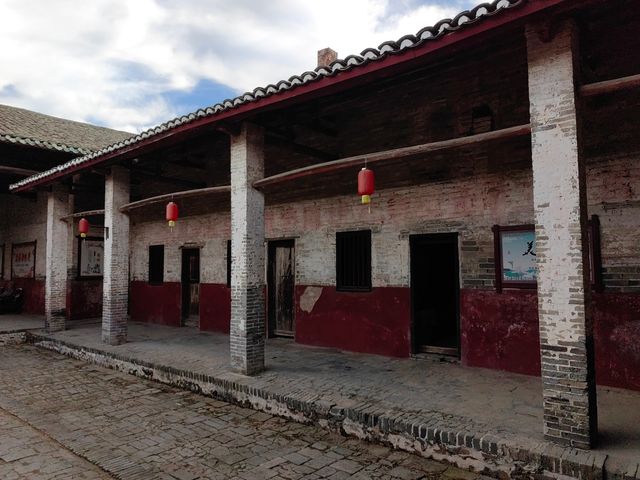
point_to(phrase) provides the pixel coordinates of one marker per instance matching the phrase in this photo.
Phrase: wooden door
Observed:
(191, 286)
(280, 286)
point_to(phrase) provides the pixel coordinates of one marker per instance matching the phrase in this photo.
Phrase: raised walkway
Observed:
(14, 328)
(476, 418)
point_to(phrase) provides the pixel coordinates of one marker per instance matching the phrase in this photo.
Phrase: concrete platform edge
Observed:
(15, 337)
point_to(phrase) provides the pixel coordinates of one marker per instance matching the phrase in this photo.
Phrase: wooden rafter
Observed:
(395, 154)
(606, 86)
(199, 192)
(87, 213)
(148, 175)
(23, 172)
(298, 147)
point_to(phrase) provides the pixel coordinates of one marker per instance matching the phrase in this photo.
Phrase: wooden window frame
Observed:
(497, 248)
(594, 256)
(366, 284)
(154, 281)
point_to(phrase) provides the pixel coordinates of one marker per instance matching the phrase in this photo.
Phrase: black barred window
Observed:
(353, 261)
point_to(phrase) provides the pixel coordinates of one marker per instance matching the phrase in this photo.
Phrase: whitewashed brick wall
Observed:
(209, 232)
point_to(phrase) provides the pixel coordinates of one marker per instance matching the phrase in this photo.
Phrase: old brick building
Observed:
(503, 231)
(31, 142)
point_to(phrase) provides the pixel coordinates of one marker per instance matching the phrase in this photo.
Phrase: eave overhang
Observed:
(390, 58)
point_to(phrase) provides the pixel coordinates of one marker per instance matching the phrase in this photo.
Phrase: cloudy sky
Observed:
(131, 64)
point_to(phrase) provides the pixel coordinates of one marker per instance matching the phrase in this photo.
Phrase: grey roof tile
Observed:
(24, 127)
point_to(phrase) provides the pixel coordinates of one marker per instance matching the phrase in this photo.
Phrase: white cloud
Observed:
(109, 61)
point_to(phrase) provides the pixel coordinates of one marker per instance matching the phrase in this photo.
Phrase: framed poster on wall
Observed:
(23, 260)
(515, 255)
(90, 257)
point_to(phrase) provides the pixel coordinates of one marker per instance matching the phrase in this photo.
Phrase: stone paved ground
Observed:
(135, 429)
(461, 398)
(26, 453)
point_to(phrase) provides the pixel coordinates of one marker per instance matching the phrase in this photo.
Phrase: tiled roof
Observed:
(29, 142)
(24, 127)
(385, 49)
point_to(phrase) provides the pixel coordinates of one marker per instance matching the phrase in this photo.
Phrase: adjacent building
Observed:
(30, 143)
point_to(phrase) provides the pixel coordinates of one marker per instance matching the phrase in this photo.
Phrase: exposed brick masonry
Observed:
(247, 243)
(566, 339)
(116, 258)
(58, 257)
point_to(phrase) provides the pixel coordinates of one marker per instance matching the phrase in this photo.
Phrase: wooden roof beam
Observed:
(87, 213)
(275, 139)
(22, 172)
(199, 192)
(395, 154)
(166, 180)
(607, 86)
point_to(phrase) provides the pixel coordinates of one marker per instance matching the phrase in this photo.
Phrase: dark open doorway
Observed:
(280, 287)
(435, 293)
(191, 287)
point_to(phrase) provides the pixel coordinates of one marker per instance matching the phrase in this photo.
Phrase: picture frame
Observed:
(514, 241)
(90, 258)
(23, 260)
(514, 247)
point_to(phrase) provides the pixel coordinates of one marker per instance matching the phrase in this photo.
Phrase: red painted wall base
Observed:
(158, 304)
(617, 337)
(215, 307)
(500, 331)
(161, 304)
(374, 322)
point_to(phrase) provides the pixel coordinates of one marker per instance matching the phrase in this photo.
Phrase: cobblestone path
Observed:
(133, 429)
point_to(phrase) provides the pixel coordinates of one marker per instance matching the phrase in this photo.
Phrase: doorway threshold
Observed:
(436, 357)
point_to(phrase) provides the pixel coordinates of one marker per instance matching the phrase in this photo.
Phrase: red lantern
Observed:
(172, 214)
(366, 181)
(83, 227)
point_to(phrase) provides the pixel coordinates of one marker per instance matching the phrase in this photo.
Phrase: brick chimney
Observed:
(326, 56)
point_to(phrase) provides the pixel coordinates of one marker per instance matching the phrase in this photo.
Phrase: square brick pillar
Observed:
(115, 299)
(58, 256)
(566, 331)
(247, 251)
